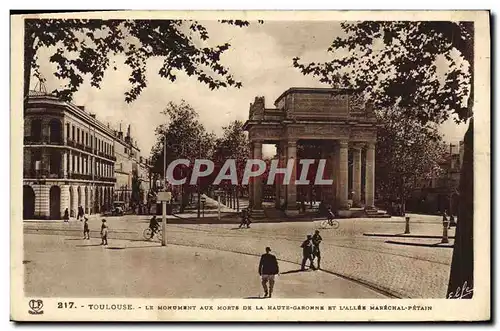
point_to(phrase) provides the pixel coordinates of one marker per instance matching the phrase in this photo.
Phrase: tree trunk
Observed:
(462, 264)
(237, 200)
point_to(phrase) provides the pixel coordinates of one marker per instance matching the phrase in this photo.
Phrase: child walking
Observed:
(86, 231)
(104, 233)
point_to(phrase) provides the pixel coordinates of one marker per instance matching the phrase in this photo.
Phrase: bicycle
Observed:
(330, 223)
(147, 233)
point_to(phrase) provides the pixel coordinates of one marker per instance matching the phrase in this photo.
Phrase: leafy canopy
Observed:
(424, 68)
(84, 47)
(407, 153)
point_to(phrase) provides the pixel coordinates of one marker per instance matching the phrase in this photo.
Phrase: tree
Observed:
(186, 138)
(137, 190)
(233, 145)
(83, 48)
(395, 64)
(407, 152)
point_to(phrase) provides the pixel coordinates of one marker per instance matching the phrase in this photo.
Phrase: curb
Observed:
(402, 235)
(437, 245)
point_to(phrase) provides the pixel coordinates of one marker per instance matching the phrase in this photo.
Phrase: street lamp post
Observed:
(164, 202)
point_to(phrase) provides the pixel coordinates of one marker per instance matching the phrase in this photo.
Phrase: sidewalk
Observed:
(71, 267)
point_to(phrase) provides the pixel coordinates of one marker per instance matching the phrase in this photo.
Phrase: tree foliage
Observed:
(407, 152)
(396, 64)
(399, 63)
(232, 145)
(186, 137)
(137, 190)
(84, 47)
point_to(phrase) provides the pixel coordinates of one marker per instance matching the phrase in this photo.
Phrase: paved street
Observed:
(364, 262)
(69, 266)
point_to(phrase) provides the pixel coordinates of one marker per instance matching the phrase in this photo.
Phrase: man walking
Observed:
(268, 268)
(316, 240)
(307, 253)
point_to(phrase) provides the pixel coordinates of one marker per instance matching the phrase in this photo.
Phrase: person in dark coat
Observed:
(307, 253)
(80, 214)
(316, 240)
(66, 215)
(268, 268)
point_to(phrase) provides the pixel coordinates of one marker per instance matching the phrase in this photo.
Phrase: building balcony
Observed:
(44, 173)
(105, 179)
(75, 175)
(42, 140)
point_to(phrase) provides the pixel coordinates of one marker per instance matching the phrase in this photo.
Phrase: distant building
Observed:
(71, 159)
(440, 192)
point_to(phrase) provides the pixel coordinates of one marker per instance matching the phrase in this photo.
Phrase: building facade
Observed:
(441, 191)
(70, 160)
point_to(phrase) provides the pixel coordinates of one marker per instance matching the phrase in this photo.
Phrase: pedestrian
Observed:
(452, 221)
(104, 233)
(445, 216)
(244, 214)
(86, 231)
(307, 253)
(316, 240)
(268, 268)
(66, 215)
(80, 214)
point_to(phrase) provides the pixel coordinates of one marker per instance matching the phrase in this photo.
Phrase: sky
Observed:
(260, 57)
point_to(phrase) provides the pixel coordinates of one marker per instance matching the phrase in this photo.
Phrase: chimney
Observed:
(81, 107)
(92, 115)
(128, 131)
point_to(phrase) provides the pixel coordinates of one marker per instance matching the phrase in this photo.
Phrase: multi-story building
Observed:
(440, 192)
(127, 158)
(68, 159)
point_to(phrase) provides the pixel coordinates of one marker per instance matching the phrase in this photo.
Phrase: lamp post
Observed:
(164, 202)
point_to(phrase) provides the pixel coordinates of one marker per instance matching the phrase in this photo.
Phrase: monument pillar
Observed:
(291, 201)
(370, 176)
(250, 182)
(257, 185)
(277, 183)
(343, 177)
(356, 175)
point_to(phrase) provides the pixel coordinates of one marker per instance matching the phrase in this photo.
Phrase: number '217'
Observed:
(61, 305)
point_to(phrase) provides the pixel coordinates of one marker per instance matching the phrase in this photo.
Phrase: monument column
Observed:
(277, 182)
(250, 182)
(291, 192)
(257, 185)
(343, 177)
(370, 176)
(356, 175)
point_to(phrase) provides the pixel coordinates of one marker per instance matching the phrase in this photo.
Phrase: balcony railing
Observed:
(44, 173)
(42, 140)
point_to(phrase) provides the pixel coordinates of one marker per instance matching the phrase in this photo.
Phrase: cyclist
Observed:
(330, 216)
(153, 225)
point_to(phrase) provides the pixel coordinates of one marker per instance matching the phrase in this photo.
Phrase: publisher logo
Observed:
(35, 307)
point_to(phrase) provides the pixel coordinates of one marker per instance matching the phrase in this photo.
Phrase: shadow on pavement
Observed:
(259, 297)
(291, 271)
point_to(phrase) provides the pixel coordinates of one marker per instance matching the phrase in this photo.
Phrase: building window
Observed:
(77, 135)
(67, 131)
(95, 142)
(36, 129)
(86, 139)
